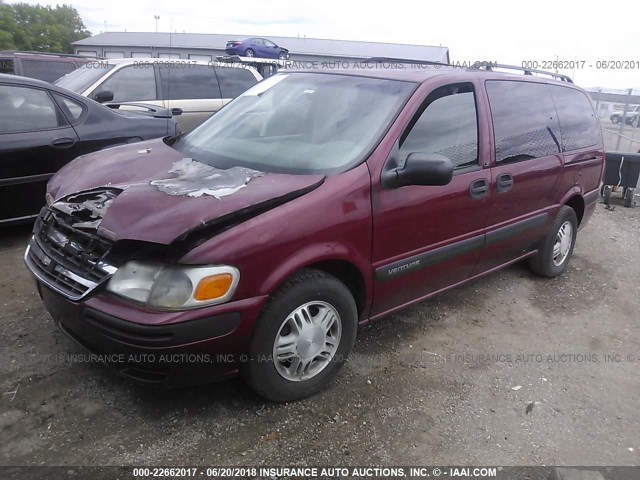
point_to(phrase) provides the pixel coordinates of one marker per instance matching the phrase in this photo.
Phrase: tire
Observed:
(628, 197)
(249, 53)
(606, 194)
(615, 119)
(282, 56)
(273, 376)
(550, 262)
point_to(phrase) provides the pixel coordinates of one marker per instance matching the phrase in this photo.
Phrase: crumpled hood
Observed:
(165, 195)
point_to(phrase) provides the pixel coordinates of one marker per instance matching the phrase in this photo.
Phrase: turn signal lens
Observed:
(213, 286)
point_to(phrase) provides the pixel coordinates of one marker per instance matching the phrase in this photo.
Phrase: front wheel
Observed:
(557, 246)
(302, 337)
(615, 119)
(282, 56)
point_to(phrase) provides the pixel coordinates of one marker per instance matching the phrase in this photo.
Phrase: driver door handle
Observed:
(63, 142)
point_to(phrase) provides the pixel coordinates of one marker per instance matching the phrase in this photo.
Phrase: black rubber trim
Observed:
(122, 331)
(5, 182)
(592, 196)
(516, 228)
(422, 260)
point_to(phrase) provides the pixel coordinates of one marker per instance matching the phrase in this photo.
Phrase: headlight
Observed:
(174, 287)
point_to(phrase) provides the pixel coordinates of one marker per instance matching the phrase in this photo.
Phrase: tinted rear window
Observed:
(578, 123)
(234, 81)
(525, 124)
(187, 81)
(46, 70)
(6, 66)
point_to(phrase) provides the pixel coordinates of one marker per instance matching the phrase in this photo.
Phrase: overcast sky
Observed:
(509, 32)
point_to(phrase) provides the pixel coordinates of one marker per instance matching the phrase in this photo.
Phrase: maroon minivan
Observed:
(311, 204)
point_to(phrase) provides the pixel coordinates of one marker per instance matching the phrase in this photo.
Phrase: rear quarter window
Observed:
(6, 66)
(181, 82)
(578, 123)
(234, 81)
(525, 123)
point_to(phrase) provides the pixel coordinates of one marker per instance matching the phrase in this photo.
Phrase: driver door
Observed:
(426, 238)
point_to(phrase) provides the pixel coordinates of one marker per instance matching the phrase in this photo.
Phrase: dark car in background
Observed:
(256, 47)
(41, 65)
(43, 127)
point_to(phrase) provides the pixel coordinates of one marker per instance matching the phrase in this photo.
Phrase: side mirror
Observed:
(103, 96)
(422, 169)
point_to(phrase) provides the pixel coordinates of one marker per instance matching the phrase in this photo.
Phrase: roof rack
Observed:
(33, 52)
(407, 60)
(239, 59)
(490, 66)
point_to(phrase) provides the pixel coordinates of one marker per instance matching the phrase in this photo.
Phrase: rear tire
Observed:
(249, 53)
(615, 119)
(606, 194)
(303, 336)
(628, 197)
(556, 247)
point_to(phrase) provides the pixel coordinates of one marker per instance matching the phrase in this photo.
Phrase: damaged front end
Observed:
(65, 252)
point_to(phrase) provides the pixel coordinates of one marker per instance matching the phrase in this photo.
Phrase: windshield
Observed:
(300, 123)
(82, 78)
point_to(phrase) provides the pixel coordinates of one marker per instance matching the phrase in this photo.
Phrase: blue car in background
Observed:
(256, 47)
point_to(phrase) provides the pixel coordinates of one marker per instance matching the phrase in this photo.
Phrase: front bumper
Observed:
(176, 354)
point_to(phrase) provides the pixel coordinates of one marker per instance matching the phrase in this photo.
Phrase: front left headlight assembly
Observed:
(174, 287)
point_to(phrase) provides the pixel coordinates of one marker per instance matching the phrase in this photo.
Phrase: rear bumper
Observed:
(167, 355)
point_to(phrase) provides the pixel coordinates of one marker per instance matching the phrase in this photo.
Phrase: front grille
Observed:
(67, 259)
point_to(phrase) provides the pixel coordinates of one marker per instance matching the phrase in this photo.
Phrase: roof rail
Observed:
(407, 60)
(239, 59)
(489, 67)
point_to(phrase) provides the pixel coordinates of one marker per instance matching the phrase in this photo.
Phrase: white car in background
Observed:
(193, 90)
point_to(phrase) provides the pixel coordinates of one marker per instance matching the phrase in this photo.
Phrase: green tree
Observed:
(41, 28)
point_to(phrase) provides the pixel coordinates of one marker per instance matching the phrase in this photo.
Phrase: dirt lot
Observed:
(440, 383)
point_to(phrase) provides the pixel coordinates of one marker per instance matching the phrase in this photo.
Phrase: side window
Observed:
(234, 81)
(189, 82)
(525, 125)
(269, 43)
(448, 125)
(74, 108)
(257, 41)
(131, 84)
(578, 124)
(46, 70)
(26, 110)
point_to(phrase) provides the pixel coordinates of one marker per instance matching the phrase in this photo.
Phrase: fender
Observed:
(317, 253)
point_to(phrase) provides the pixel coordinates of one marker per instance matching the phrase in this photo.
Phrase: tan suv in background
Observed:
(193, 90)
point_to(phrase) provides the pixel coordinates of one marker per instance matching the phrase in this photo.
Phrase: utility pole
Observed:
(156, 17)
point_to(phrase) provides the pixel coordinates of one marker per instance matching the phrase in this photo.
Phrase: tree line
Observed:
(40, 28)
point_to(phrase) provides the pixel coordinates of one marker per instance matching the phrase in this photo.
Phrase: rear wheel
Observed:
(628, 197)
(615, 119)
(557, 246)
(249, 53)
(302, 337)
(606, 194)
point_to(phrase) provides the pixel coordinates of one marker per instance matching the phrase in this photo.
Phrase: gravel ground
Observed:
(446, 382)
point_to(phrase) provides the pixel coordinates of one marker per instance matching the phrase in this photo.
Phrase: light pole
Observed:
(156, 17)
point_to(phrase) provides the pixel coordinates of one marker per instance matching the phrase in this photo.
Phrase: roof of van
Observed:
(420, 73)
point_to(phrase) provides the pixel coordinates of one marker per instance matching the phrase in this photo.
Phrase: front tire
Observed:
(557, 246)
(615, 119)
(282, 56)
(302, 338)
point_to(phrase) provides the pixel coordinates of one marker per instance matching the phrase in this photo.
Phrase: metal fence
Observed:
(621, 129)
